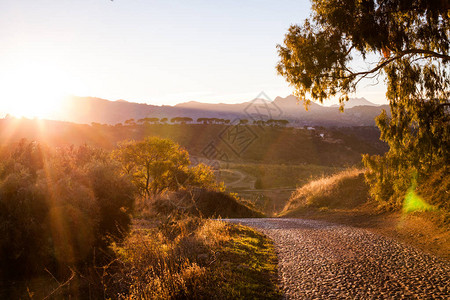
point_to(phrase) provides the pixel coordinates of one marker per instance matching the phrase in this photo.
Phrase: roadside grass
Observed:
(193, 258)
(251, 265)
(343, 198)
(346, 189)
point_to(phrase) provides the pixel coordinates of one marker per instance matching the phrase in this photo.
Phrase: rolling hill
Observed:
(252, 143)
(85, 110)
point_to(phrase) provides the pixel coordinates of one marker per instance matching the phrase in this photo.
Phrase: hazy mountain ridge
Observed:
(89, 109)
(352, 102)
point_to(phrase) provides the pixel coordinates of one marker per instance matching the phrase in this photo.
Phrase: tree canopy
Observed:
(182, 120)
(316, 57)
(157, 165)
(410, 43)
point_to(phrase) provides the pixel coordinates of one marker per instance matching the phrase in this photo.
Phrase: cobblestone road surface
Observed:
(319, 260)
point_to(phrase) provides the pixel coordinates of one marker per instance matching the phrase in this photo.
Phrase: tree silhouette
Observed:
(182, 120)
(130, 122)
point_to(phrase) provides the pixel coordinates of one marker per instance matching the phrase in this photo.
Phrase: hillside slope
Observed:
(331, 147)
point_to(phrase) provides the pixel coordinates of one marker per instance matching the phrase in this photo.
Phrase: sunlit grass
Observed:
(194, 258)
(344, 189)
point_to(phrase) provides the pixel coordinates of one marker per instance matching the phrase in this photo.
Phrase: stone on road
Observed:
(320, 260)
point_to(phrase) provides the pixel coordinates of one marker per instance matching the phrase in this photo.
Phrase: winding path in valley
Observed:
(319, 260)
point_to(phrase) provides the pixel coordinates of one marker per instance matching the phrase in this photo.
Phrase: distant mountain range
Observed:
(358, 111)
(352, 102)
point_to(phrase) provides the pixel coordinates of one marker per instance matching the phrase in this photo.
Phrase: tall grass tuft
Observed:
(165, 262)
(346, 189)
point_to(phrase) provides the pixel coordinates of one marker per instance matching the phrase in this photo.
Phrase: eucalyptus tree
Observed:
(409, 41)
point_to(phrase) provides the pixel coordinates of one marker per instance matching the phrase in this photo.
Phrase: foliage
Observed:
(193, 258)
(287, 145)
(410, 39)
(436, 187)
(316, 56)
(418, 145)
(130, 122)
(153, 163)
(148, 120)
(213, 121)
(157, 165)
(182, 120)
(57, 206)
(271, 122)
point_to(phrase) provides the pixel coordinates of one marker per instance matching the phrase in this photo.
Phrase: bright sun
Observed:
(35, 90)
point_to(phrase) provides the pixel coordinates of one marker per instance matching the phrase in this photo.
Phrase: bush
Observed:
(166, 263)
(57, 206)
(435, 188)
(203, 202)
(391, 180)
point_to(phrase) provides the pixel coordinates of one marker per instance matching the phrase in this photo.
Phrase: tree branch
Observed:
(399, 55)
(423, 51)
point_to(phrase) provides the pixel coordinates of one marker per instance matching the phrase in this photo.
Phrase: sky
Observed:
(147, 51)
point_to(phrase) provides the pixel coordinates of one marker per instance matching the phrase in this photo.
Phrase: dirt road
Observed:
(319, 260)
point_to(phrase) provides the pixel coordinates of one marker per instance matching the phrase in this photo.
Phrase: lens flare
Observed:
(414, 202)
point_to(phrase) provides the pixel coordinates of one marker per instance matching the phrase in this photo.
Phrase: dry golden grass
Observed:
(192, 258)
(345, 189)
(346, 194)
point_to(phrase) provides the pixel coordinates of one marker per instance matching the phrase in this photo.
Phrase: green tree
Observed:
(152, 163)
(202, 120)
(283, 123)
(181, 120)
(130, 122)
(157, 165)
(410, 42)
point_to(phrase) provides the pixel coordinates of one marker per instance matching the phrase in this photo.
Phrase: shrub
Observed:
(435, 188)
(57, 206)
(203, 202)
(166, 263)
(390, 180)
